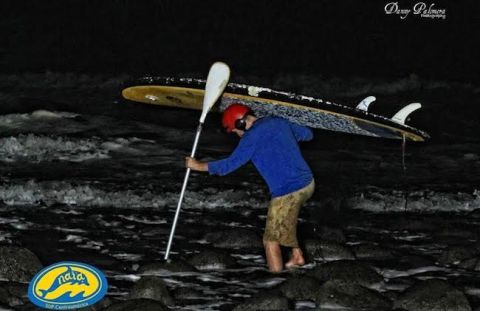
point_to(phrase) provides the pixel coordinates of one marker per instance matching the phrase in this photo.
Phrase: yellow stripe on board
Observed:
(190, 98)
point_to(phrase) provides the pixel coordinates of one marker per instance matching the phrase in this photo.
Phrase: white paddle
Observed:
(216, 82)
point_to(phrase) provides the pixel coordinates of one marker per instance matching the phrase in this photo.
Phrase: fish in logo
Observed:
(67, 285)
(68, 277)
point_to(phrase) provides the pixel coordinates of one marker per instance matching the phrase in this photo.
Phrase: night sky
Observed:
(332, 38)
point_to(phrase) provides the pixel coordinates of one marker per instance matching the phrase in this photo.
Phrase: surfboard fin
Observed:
(403, 113)
(363, 105)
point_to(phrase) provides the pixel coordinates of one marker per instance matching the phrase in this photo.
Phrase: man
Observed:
(271, 144)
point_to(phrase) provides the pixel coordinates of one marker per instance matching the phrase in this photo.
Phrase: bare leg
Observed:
(274, 256)
(296, 259)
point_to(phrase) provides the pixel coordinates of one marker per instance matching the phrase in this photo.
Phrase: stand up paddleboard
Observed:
(307, 111)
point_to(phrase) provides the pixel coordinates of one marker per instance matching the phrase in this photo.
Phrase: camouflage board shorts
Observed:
(283, 216)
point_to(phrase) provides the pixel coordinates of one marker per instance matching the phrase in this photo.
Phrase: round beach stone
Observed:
(137, 305)
(300, 287)
(331, 234)
(346, 270)
(188, 293)
(372, 252)
(18, 264)
(455, 254)
(344, 294)
(211, 260)
(471, 264)
(327, 250)
(432, 295)
(238, 239)
(151, 287)
(10, 295)
(267, 301)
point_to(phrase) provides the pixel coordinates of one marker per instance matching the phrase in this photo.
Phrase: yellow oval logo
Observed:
(67, 285)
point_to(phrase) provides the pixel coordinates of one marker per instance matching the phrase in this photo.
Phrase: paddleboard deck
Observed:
(304, 110)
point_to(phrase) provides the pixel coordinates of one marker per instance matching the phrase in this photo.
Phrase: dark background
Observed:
(332, 38)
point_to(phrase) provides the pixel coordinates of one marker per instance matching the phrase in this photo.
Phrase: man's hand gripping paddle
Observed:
(216, 82)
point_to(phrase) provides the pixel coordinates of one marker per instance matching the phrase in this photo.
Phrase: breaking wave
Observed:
(422, 201)
(34, 148)
(50, 193)
(36, 193)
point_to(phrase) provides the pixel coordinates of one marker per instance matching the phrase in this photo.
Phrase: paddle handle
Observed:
(182, 193)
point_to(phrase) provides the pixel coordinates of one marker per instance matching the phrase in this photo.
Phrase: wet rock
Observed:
(348, 271)
(327, 250)
(470, 264)
(187, 293)
(407, 262)
(212, 237)
(18, 264)
(432, 295)
(137, 305)
(471, 157)
(11, 293)
(344, 294)
(300, 288)
(372, 252)
(172, 265)
(211, 260)
(101, 305)
(238, 239)
(151, 287)
(462, 235)
(263, 302)
(331, 234)
(26, 307)
(455, 254)
(5, 307)
(413, 225)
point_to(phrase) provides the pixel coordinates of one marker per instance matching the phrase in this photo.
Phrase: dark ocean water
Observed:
(87, 176)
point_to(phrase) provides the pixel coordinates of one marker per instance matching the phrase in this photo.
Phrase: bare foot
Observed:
(296, 260)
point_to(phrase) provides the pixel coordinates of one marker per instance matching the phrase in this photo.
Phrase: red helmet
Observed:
(232, 114)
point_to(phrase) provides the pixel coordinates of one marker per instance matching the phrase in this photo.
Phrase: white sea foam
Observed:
(21, 225)
(91, 195)
(213, 267)
(73, 238)
(128, 256)
(472, 291)
(268, 283)
(5, 236)
(391, 274)
(305, 305)
(70, 230)
(67, 212)
(63, 192)
(18, 120)
(205, 277)
(143, 220)
(126, 277)
(380, 200)
(36, 148)
(91, 245)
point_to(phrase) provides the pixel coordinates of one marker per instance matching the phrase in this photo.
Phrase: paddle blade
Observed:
(216, 82)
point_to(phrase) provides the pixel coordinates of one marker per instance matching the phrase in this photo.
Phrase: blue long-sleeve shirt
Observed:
(271, 144)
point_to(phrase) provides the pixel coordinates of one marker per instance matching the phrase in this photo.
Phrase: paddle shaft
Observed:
(182, 193)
